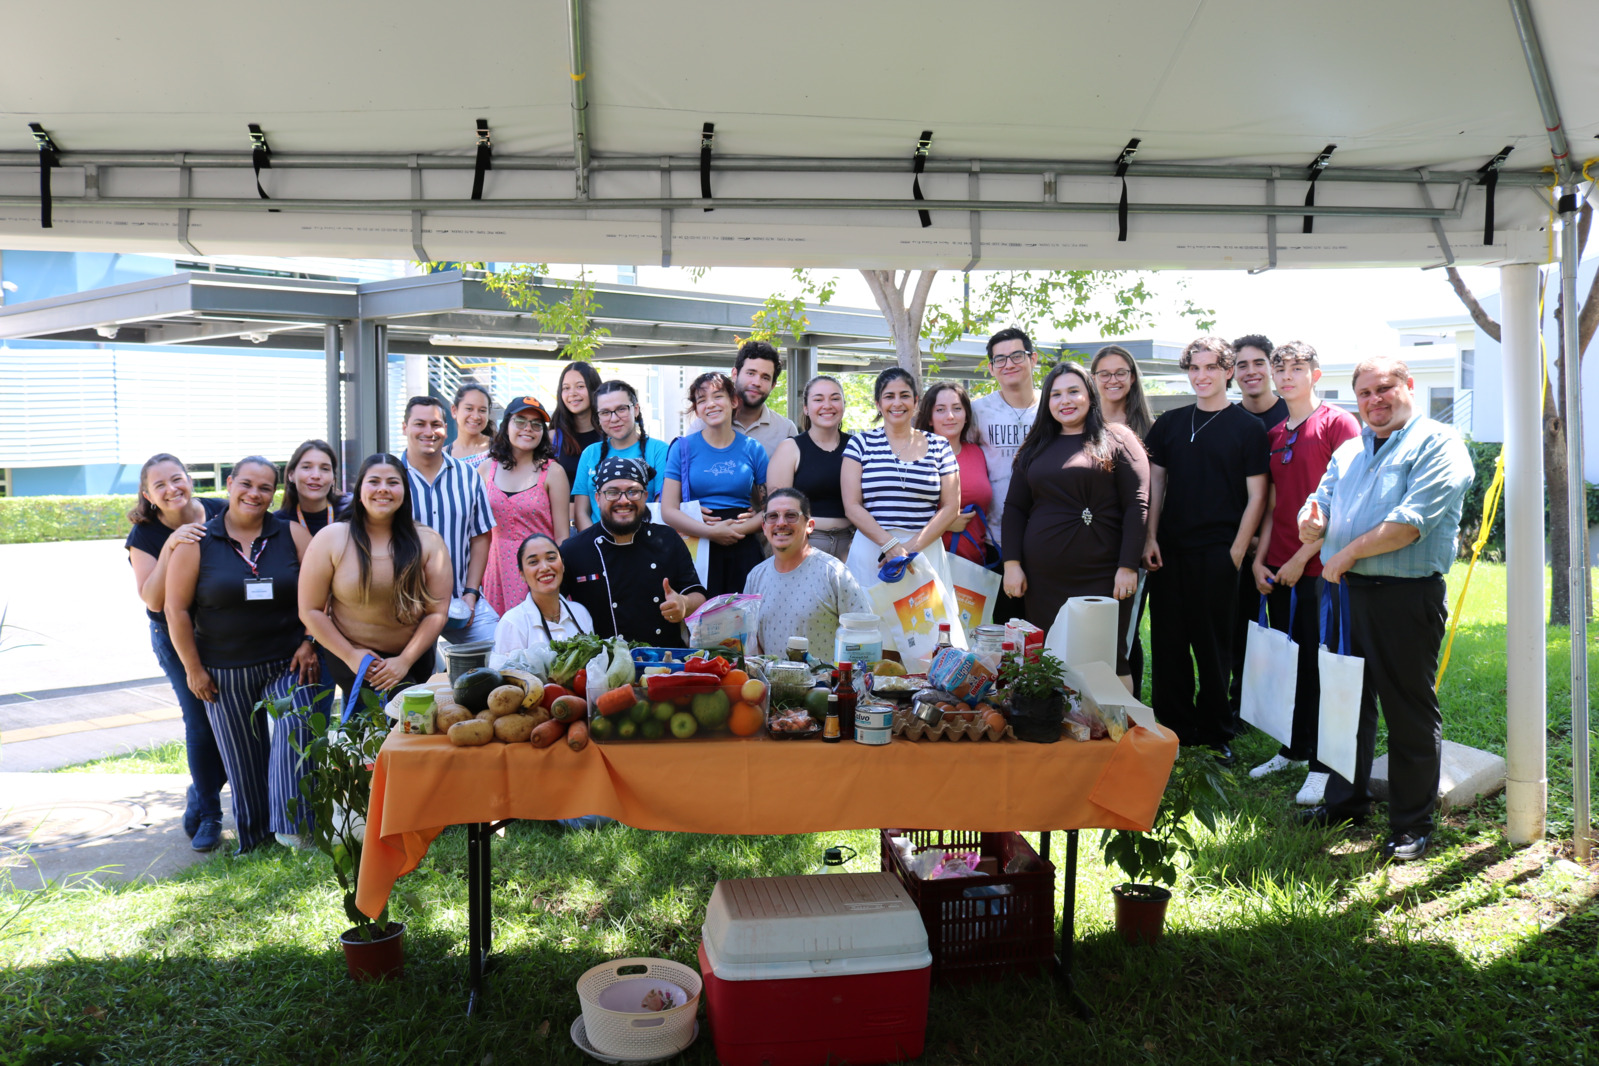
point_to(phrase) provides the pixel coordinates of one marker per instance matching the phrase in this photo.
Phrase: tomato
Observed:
(580, 683)
(552, 693)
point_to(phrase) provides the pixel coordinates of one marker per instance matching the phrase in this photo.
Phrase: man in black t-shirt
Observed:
(1252, 373)
(1207, 493)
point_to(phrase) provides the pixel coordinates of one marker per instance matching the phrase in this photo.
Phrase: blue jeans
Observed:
(206, 773)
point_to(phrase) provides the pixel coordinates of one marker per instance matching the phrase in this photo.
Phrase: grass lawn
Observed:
(1283, 944)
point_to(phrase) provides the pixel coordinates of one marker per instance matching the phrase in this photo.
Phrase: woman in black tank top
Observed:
(812, 462)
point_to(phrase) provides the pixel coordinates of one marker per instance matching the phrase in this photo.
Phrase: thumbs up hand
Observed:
(1313, 526)
(674, 608)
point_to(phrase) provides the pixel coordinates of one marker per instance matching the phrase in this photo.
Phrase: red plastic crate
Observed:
(973, 936)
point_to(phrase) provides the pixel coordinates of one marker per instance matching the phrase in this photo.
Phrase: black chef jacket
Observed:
(620, 584)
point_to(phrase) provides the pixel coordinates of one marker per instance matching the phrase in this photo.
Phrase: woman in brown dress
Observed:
(1079, 500)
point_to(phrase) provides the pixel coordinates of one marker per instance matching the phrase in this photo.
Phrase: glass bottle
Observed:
(830, 726)
(844, 691)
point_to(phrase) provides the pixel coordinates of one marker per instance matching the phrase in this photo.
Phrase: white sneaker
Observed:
(294, 840)
(1313, 790)
(1271, 766)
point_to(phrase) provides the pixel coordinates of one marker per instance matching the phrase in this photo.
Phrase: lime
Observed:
(816, 703)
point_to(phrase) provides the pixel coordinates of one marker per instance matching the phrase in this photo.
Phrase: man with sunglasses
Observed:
(1301, 448)
(802, 590)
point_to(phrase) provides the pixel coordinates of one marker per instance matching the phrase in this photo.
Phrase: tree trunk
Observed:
(904, 317)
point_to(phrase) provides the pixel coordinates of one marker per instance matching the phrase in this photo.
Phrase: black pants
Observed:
(1305, 631)
(1192, 600)
(344, 677)
(1248, 609)
(1398, 628)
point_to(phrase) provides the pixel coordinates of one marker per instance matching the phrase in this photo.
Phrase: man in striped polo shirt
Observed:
(448, 496)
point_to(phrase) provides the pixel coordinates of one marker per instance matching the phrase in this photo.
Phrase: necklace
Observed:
(909, 446)
(1192, 414)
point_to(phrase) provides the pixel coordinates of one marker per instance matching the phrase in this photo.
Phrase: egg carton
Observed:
(910, 727)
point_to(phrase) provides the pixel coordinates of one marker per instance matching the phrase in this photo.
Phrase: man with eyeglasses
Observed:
(1003, 418)
(1252, 373)
(635, 577)
(1389, 510)
(1301, 447)
(1207, 492)
(802, 590)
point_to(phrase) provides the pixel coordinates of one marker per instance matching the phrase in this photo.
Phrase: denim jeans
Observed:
(206, 773)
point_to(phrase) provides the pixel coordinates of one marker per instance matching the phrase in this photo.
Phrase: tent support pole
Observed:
(580, 101)
(1526, 777)
(335, 437)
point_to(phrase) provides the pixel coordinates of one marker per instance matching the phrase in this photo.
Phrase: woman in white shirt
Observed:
(545, 615)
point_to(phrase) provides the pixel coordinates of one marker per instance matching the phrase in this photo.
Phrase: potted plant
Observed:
(333, 801)
(1037, 701)
(1198, 787)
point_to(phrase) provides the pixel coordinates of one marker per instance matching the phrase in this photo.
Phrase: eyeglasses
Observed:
(526, 423)
(1113, 375)
(1288, 449)
(793, 518)
(612, 495)
(1013, 357)
(617, 412)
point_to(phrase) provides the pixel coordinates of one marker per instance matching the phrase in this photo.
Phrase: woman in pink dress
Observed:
(529, 493)
(946, 409)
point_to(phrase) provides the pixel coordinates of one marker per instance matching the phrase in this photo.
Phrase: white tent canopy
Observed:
(369, 111)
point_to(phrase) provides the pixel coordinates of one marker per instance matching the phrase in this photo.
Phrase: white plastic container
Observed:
(875, 738)
(858, 639)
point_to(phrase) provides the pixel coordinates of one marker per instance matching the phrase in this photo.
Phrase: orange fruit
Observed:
(735, 679)
(745, 720)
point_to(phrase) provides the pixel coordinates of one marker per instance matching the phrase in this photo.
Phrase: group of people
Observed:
(579, 522)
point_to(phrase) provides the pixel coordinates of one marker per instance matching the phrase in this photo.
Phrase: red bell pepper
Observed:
(672, 686)
(701, 665)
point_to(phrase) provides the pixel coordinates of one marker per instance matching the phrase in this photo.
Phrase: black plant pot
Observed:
(1038, 720)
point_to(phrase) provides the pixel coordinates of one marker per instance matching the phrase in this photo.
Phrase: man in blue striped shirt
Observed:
(448, 496)
(1388, 509)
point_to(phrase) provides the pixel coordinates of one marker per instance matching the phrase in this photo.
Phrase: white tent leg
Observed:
(1526, 783)
(1577, 521)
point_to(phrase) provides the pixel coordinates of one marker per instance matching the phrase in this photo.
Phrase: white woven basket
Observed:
(633, 1034)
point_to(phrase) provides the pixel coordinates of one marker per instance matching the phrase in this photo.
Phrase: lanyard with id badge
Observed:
(255, 587)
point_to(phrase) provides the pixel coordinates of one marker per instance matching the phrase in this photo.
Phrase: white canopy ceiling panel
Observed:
(370, 110)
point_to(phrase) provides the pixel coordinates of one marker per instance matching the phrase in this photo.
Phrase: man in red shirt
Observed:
(1301, 447)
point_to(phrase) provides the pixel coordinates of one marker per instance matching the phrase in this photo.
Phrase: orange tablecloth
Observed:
(424, 784)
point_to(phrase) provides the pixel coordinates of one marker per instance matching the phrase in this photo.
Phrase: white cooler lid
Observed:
(767, 928)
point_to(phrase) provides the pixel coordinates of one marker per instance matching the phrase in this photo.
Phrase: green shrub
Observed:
(36, 519)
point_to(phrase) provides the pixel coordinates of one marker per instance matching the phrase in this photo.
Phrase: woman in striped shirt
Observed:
(901, 484)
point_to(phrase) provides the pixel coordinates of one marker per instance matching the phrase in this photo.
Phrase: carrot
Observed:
(577, 736)
(547, 734)
(615, 701)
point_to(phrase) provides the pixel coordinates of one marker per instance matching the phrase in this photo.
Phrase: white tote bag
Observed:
(911, 609)
(1342, 678)
(975, 588)
(1271, 670)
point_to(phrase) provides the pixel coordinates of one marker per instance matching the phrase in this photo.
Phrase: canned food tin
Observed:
(875, 737)
(874, 718)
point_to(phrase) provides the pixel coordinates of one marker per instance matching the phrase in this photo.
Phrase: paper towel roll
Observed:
(1085, 631)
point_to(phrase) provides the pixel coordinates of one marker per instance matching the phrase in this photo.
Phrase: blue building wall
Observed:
(40, 275)
(95, 479)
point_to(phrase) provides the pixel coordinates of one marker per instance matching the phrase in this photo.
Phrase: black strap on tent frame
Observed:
(485, 158)
(924, 145)
(1122, 162)
(49, 159)
(1317, 165)
(707, 141)
(1489, 180)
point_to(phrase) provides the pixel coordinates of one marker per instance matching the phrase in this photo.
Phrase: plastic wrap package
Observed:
(725, 624)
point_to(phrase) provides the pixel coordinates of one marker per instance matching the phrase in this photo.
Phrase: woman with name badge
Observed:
(901, 484)
(232, 611)
(169, 514)
(813, 462)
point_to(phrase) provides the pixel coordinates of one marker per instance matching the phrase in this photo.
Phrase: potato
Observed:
(513, 728)
(448, 715)
(540, 715)
(507, 699)
(471, 733)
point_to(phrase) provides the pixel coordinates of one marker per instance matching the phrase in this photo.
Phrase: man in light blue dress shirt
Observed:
(1389, 510)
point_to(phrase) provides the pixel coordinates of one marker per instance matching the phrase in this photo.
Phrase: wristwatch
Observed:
(476, 592)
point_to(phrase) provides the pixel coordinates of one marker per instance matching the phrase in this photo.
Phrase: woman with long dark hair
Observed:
(168, 514)
(310, 481)
(473, 423)
(812, 461)
(231, 610)
(621, 419)
(377, 584)
(724, 472)
(528, 493)
(1078, 504)
(946, 409)
(573, 426)
(901, 484)
(1121, 389)
(545, 615)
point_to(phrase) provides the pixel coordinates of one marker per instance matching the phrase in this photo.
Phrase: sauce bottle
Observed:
(844, 692)
(830, 726)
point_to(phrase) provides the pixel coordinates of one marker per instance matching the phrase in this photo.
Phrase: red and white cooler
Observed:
(814, 970)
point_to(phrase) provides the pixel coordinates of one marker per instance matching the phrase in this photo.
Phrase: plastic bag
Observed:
(725, 624)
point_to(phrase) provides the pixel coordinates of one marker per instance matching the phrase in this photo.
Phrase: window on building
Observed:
(1468, 368)
(1329, 394)
(1440, 400)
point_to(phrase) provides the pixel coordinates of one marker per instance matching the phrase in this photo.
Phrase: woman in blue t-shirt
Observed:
(723, 472)
(233, 610)
(169, 514)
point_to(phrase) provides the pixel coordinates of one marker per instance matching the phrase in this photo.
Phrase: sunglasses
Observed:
(1287, 449)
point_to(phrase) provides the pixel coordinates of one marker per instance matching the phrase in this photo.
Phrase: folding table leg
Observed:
(477, 918)
(1068, 930)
